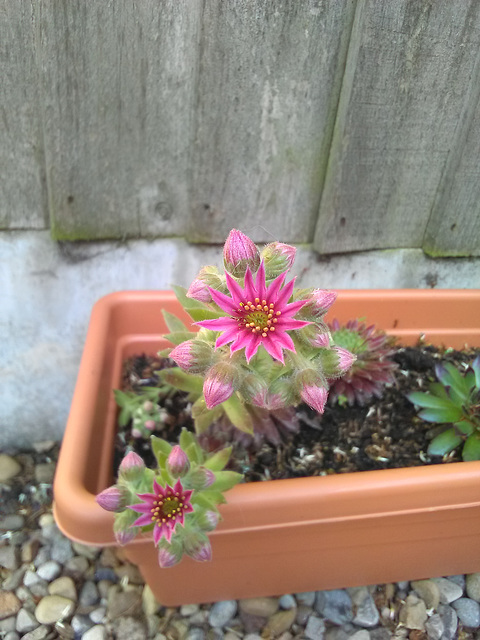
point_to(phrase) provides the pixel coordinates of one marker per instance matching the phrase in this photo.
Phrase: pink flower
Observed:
(165, 508)
(257, 315)
(345, 359)
(239, 252)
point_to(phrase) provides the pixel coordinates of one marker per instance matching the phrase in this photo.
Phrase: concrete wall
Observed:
(48, 289)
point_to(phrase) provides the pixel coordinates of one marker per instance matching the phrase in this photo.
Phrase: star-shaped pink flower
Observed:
(257, 315)
(165, 508)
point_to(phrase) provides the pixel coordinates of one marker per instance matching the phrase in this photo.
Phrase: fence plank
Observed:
(22, 186)
(270, 76)
(119, 86)
(407, 77)
(454, 227)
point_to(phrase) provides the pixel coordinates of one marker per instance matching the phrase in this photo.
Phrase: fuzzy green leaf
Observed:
(225, 480)
(161, 450)
(444, 443)
(173, 323)
(187, 303)
(238, 414)
(219, 460)
(204, 314)
(181, 380)
(177, 337)
(471, 448)
(200, 499)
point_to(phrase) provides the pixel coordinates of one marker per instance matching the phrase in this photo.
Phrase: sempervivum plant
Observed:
(261, 344)
(177, 502)
(454, 400)
(372, 369)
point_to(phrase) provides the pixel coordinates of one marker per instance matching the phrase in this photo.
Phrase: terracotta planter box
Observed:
(282, 536)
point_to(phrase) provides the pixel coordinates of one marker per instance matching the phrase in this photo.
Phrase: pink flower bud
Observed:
(193, 356)
(345, 359)
(202, 553)
(177, 462)
(198, 290)
(149, 424)
(211, 519)
(167, 558)
(278, 257)
(111, 499)
(124, 536)
(148, 406)
(136, 433)
(322, 300)
(239, 252)
(314, 396)
(200, 478)
(320, 340)
(131, 461)
(219, 384)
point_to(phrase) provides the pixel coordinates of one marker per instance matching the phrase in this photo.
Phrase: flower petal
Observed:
(217, 324)
(288, 324)
(284, 340)
(157, 533)
(226, 337)
(250, 291)
(274, 349)
(274, 288)
(260, 281)
(141, 507)
(252, 347)
(234, 288)
(143, 521)
(293, 307)
(242, 339)
(224, 302)
(285, 294)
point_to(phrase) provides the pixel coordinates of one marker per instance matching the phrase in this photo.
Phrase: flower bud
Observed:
(198, 290)
(132, 465)
(193, 356)
(111, 499)
(345, 359)
(312, 389)
(197, 546)
(278, 258)
(203, 553)
(148, 406)
(136, 433)
(219, 384)
(239, 252)
(149, 424)
(206, 277)
(319, 301)
(199, 478)
(177, 462)
(208, 520)
(124, 536)
(254, 389)
(167, 558)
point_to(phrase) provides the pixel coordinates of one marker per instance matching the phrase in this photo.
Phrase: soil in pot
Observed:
(385, 433)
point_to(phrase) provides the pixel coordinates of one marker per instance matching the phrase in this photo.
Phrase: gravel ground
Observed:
(52, 588)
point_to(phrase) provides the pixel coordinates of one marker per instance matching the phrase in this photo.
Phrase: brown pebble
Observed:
(279, 623)
(10, 605)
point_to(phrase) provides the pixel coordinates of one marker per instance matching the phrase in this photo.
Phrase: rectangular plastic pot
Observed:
(281, 536)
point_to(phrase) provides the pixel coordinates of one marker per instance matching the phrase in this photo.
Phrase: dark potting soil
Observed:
(385, 433)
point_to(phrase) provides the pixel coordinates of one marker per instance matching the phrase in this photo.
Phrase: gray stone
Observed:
(315, 629)
(25, 622)
(195, 633)
(89, 595)
(449, 591)
(98, 615)
(44, 472)
(306, 597)
(42, 556)
(40, 589)
(43, 446)
(413, 613)
(150, 604)
(366, 612)
(76, 567)
(12, 635)
(63, 586)
(40, 633)
(363, 634)
(98, 632)
(9, 604)
(468, 611)
(105, 573)
(434, 627)
(49, 570)
(7, 624)
(50, 609)
(429, 592)
(287, 602)
(61, 549)
(450, 621)
(472, 584)
(85, 550)
(81, 623)
(252, 636)
(303, 613)
(263, 607)
(335, 605)
(222, 612)
(381, 633)
(458, 579)
(9, 467)
(12, 522)
(123, 603)
(30, 578)
(15, 579)
(337, 633)
(9, 557)
(187, 610)
(127, 628)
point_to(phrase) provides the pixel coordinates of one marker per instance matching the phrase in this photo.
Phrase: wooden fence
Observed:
(352, 124)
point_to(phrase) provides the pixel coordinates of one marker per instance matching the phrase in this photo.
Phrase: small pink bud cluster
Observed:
(220, 383)
(178, 463)
(313, 389)
(278, 258)
(194, 356)
(239, 252)
(207, 277)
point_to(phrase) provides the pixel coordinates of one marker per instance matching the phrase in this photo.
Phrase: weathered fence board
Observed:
(119, 86)
(454, 226)
(270, 75)
(22, 185)
(407, 78)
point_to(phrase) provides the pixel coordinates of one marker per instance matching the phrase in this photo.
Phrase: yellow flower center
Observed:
(168, 508)
(259, 316)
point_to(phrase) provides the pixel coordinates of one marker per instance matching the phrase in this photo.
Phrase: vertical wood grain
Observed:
(269, 81)
(118, 84)
(23, 203)
(406, 85)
